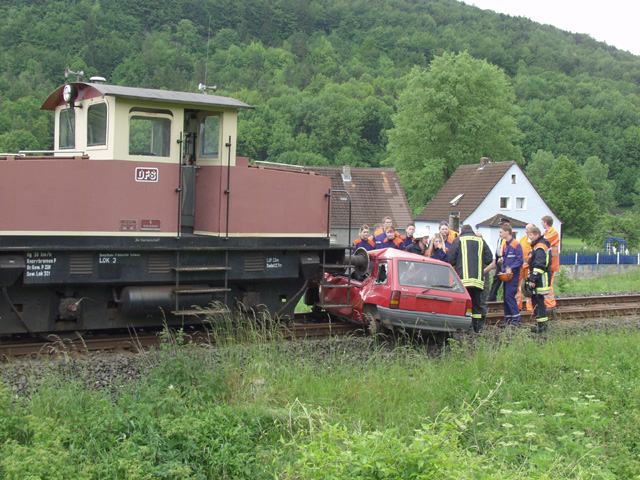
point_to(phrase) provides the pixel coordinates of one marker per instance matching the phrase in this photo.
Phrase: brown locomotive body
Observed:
(142, 211)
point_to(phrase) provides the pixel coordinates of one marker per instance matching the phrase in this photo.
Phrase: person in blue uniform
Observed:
(407, 238)
(392, 240)
(364, 241)
(380, 235)
(437, 250)
(511, 263)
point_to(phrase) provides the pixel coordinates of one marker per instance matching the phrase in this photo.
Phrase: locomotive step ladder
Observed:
(189, 290)
(330, 286)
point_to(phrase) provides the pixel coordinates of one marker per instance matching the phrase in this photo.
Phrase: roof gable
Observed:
(473, 182)
(375, 193)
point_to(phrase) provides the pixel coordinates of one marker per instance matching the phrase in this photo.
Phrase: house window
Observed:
(505, 203)
(521, 203)
(513, 178)
(97, 124)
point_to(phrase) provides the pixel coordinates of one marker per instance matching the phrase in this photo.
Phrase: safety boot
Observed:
(541, 327)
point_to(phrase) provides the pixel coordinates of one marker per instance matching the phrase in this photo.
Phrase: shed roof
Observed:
(375, 193)
(495, 221)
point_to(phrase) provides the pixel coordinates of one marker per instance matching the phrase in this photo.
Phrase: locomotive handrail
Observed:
(23, 157)
(285, 166)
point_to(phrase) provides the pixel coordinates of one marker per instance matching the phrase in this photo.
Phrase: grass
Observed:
(510, 406)
(609, 283)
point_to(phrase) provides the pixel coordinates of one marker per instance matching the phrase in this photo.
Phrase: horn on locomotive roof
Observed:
(203, 88)
(79, 74)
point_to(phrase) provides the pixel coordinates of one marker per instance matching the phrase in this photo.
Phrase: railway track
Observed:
(75, 343)
(569, 310)
(575, 308)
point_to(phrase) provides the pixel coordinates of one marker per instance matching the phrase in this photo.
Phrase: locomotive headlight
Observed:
(69, 94)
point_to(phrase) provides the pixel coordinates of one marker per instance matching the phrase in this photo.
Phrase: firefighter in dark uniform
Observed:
(539, 279)
(469, 254)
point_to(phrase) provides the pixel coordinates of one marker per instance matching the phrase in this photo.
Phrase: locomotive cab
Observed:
(152, 129)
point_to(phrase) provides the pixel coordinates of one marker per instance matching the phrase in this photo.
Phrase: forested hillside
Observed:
(326, 77)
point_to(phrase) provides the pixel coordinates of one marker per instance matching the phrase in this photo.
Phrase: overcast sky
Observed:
(616, 22)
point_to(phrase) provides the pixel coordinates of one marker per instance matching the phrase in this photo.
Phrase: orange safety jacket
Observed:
(552, 236)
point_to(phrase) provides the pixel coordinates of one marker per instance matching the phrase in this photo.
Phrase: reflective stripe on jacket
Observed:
(469, 255)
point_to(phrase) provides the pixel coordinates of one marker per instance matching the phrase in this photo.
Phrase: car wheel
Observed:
(373, 323)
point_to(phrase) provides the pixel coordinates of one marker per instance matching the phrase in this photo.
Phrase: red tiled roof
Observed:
(471, 181)
(375, 193)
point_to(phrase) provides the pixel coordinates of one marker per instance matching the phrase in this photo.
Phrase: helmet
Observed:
(422, 232)
(525, 288)
(505, 277)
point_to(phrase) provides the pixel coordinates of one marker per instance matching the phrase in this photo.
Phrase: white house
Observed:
(483, 193)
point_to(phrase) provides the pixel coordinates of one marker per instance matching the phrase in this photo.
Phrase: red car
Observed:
(396, 289)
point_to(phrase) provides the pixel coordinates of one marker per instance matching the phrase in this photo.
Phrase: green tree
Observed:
(539, 167)
(452, 114)
(569, 196)
(596, 174)
(626, 225)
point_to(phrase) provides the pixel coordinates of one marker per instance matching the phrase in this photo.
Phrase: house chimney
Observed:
(346, 173)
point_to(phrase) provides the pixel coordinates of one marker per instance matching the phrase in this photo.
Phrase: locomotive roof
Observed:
(149, 94)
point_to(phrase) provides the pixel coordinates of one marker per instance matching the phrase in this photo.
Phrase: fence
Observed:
(598, 259)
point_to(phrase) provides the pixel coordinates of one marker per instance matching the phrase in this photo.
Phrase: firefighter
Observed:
(407, 239)
(540, 277)
(511, 265)
(525, 243)
(553, 237)
(469, 254)
(392, 240)
(497, 262)
(449, 235)
(380, 235)
(421, 240)
(365, 241)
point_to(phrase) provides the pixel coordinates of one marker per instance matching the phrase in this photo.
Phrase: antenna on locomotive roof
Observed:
(79, 74)
(203, 86)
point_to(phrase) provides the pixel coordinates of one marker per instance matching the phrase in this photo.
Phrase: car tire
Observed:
(373, 323)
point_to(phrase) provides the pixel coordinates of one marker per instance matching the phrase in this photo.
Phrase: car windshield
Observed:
(428, 276)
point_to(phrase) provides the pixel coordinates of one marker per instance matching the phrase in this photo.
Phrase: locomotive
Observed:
(142, 215)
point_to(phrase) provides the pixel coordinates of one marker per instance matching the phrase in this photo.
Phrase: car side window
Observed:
(381, 276)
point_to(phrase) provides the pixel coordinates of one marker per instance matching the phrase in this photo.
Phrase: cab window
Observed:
(97, 124)
(210, 136)
(149, 134)
(381, 273)
(67, 128)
